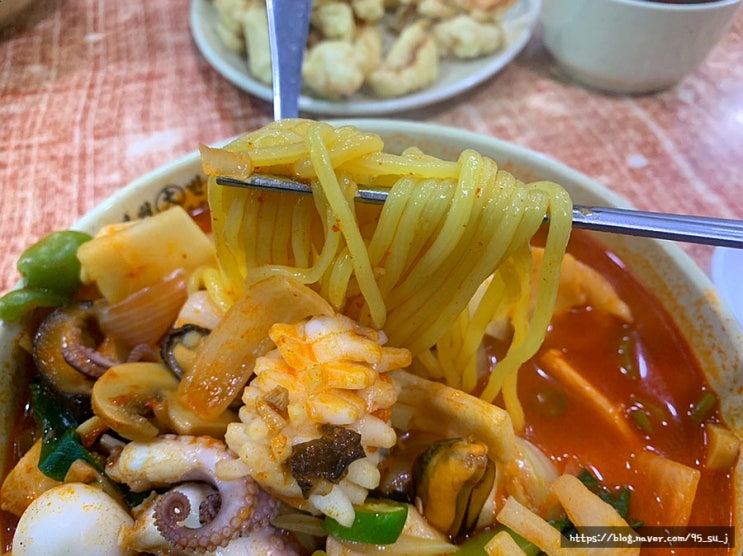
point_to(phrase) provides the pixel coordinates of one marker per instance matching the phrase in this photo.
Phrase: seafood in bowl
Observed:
(441, 374)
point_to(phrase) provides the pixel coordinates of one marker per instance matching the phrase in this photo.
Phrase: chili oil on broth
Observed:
(659, 375)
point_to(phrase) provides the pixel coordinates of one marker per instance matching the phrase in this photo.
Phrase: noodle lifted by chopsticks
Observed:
(449, 231)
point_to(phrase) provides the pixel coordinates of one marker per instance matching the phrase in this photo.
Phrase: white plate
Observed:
(727, 272)
(454, 76)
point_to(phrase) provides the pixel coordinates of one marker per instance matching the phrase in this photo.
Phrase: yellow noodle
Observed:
(306, 275)
(338, 281)
(233, 259)
(472, 329)
(279, 154)
(300, 235)
(208, 278)
(412, 266)
(265, 234)
(453, 227)
(383, 164)
(428, 364)
(349, 229)
(469, 266)
(345, 151)
(389, 225)
(396, 246)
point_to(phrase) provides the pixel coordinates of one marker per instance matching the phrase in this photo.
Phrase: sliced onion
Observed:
(221, 162)
(224, 361)
(146, 315)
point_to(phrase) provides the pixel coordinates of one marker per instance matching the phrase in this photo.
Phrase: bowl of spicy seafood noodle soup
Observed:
(633, 388)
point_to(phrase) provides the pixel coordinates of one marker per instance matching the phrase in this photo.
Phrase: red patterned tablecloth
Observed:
(94, 94)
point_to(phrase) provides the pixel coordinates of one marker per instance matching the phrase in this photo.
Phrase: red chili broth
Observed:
(671, 379)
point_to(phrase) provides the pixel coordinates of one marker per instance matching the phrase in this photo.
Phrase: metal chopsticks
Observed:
(658, 225)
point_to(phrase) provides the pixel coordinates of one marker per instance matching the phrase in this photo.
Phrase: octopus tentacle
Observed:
(265, 510)
(242, 506)
(142, 352)
(173, 507)
(209, 508)
(86, 360)
(93, 363)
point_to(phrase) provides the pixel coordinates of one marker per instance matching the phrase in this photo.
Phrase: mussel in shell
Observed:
(453, 479)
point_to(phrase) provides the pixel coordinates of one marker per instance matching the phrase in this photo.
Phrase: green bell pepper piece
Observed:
(376, 522)
(51, 263)
(16, 303)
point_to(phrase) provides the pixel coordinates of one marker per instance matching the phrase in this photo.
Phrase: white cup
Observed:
(632, 46)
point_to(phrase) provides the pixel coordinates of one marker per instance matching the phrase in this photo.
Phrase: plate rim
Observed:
(491, 66)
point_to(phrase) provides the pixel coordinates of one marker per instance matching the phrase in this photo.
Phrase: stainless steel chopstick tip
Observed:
(676, 227)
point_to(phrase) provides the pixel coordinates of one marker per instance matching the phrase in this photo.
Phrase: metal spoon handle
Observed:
(679, 227)
(288, 25)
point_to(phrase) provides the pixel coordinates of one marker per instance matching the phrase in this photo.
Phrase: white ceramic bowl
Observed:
(727, 268)
(682, 287)
(632, 46)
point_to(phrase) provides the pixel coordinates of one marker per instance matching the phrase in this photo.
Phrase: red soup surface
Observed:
(650, 378)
